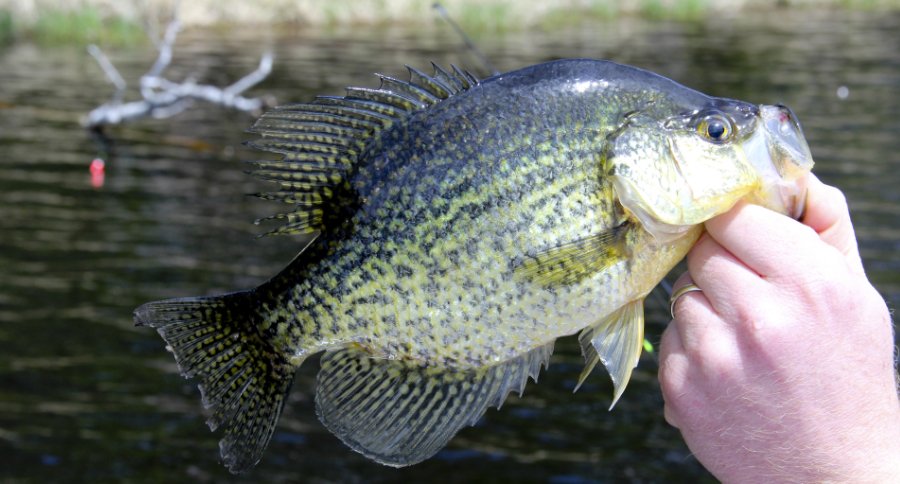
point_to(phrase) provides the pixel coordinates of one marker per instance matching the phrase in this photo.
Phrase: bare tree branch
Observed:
(255, 77)
(111, 72)
(163, 98)
(163, 59)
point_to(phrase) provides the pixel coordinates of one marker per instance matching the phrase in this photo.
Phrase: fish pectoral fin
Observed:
(575, 261)
(616, 341)
(399, 412)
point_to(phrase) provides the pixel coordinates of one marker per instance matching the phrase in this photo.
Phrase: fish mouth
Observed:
(796, 202)
(790, 156)
(787, 145)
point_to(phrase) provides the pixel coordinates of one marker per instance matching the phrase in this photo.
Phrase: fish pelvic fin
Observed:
(320, 143)
(399, 412)
(616, 341)
(243, 381)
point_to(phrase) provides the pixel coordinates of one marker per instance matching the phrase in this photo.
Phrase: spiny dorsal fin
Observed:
(320, 142)
(399, 412)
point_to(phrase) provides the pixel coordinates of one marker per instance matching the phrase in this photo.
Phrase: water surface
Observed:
(85, 396)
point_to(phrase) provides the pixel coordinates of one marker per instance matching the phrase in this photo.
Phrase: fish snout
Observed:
(790, 155)
(787, 145)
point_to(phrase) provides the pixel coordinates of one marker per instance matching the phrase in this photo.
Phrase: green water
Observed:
(86, 397)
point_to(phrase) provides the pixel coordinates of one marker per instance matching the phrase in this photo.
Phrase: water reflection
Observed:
(84, 396)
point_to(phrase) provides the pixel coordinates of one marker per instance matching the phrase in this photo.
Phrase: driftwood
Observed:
(162, 98)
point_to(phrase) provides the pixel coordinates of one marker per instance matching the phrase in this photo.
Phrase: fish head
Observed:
(674, 171)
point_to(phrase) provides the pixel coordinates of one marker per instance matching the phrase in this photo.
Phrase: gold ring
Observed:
(681, 292)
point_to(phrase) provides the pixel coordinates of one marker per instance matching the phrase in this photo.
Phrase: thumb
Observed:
(827, 213)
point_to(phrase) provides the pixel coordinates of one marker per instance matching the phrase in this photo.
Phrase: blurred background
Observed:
(86, 397)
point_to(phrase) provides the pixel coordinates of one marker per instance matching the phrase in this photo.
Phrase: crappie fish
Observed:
(461, 227)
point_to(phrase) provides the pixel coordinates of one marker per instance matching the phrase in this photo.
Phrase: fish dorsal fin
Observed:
(399, 412)
(575, 261)
(616, 341)
(320, 142)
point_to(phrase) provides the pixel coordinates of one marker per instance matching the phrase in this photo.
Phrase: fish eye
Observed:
(715, 127)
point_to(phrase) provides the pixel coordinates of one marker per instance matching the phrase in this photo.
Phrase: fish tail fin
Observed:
(243, 380)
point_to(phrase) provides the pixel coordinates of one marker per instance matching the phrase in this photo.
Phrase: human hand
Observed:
(782, 368)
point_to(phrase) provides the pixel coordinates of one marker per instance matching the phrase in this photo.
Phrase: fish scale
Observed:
(350, 263)
(460, 227)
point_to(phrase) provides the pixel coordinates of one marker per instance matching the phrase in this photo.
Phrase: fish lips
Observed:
(790, 156)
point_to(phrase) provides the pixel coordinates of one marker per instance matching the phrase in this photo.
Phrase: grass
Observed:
(7, 33)
(489, 17)
(83, 22)
(84, 25)
(685, 10)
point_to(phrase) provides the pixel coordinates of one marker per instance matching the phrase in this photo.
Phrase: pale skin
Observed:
(783, 368)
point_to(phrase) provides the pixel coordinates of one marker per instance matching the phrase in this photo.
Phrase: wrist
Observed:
(833, 448)
(874, 456)
(881, 462)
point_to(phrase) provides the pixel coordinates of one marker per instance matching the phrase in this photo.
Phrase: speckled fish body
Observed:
(455, 200)
(460, 228)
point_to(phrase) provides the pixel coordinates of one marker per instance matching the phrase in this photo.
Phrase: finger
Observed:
(682, 281)
(761, 239)
(696, 346)
(728, 284)
(827, 213)
(673, 370)
(669, 415)
(694, 316)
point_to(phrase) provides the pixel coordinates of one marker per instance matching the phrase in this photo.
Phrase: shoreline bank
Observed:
(115, 22)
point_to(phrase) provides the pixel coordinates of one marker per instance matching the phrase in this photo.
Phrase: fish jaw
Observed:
(782, 160)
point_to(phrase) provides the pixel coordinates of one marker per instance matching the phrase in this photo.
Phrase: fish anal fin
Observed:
(575, 261)
(616, 341)
(399, 412)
